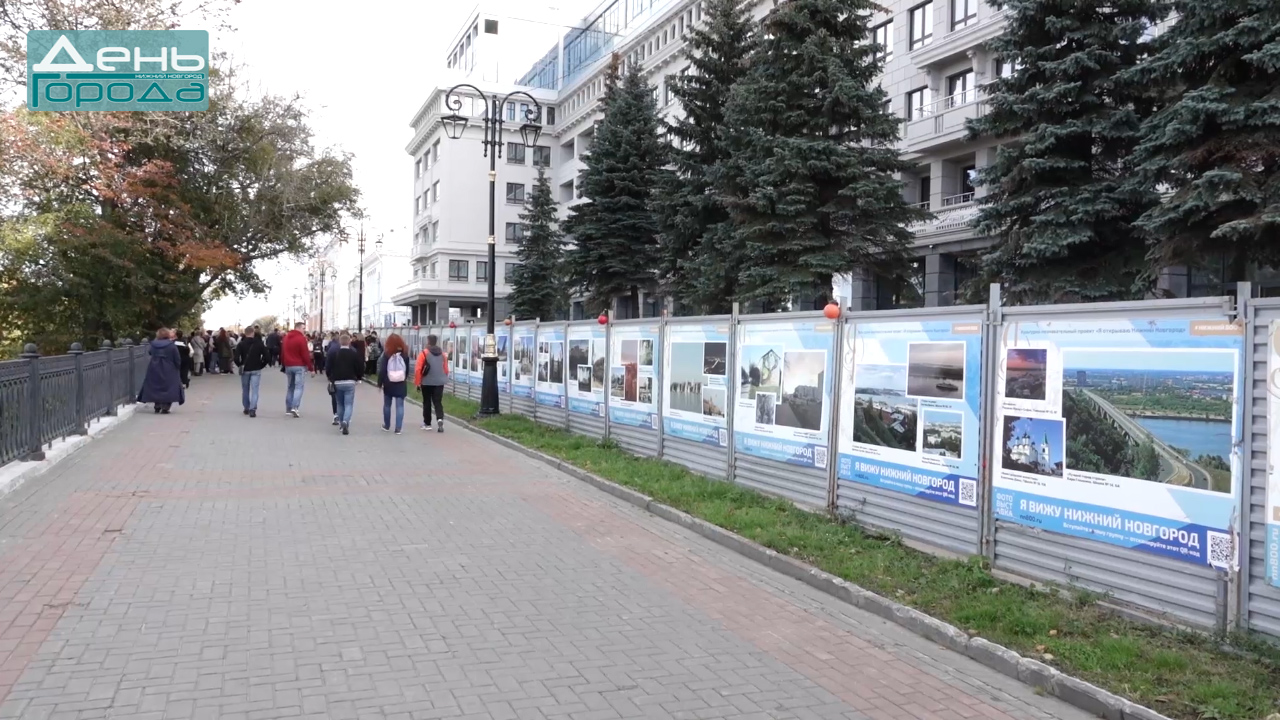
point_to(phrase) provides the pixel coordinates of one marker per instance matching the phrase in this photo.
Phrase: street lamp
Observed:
(360, 246)
(317, 277)
(454, 125)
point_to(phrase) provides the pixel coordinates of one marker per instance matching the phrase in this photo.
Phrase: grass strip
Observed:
(1181, 674)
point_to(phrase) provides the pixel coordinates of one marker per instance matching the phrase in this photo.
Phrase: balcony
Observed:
(958, 42)
(943, 121)
(954, 200)
(421, 249)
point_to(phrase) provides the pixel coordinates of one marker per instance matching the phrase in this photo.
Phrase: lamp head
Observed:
(454, 125)
(529, 133)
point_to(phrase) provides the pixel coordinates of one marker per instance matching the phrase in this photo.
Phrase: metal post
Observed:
(132, 397)
(114, 399)
(731, 461)
(842, 338)
(82, 420)
(662, 380)
(1237, 580)
(489, 383)
(34, 420)
(608, 349)
(992, 335)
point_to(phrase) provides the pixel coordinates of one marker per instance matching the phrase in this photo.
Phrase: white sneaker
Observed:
(425, 426)
(294, 412)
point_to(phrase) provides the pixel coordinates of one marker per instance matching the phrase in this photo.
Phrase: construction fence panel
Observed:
(586, 368)
(504, 336)
(695, 369)
(634, 385)
(1260, 503)
(909, 424)
(549, 375)
(524, 361)
(1115, 463)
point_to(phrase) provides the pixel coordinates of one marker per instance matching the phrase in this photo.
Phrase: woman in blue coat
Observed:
(163, 384)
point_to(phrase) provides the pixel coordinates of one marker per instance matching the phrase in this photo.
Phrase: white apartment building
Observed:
(936, 64)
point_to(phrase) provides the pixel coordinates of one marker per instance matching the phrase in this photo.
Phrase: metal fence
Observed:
(1120, 448)
(44, 399)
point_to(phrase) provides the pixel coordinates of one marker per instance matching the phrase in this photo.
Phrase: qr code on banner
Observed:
(969, 493)
(1221, 550)
(819, 457)
(723, 436)
(1004, 504)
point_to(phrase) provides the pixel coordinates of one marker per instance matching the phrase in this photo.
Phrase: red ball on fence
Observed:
(603, 319)
(506, 321)
(832, 311)
(453, 325)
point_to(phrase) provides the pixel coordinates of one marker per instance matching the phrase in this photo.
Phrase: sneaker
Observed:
(346, 429)
(439, 426)
(386, 429)
(426, 426)
(294, 412)
(335, 419)
(245, 411)
(253, 413)
(398, 432)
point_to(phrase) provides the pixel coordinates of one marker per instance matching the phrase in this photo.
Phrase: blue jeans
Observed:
(386, 411)
(344, 392)
(297, 379)
(249, 382)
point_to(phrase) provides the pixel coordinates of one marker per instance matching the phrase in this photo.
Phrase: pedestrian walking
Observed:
(357, 344)
(318, 351)
(345, 368)
(198, 347)
(393, 378)
(430, 375)
(251, 356)
(162, 386)
(374, 350)
(184, 356)
(224, 349)
(274, 343)
(297, 361)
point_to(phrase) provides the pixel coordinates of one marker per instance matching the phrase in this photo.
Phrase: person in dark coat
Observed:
(163, 384)
(184, 352)
(224, 347)
(393, 377)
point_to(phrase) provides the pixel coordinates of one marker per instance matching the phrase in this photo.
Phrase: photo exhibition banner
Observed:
(461, 365)
(550, 367)
(697, 367)
(783, 391)
(523, 359)
(503, 337)
(476, 356)
(633, 376)
(1122, 431)
(586, 369)
(910, 408)
(1272, 559)
(449, 342)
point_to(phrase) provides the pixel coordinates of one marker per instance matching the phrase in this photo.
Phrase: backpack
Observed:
(395, 368)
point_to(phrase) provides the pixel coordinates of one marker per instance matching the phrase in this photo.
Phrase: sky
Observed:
(363, 70)
(1153, 359)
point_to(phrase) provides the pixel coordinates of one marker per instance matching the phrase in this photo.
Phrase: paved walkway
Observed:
(208, 565)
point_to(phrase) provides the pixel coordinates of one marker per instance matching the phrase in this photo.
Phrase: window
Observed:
(1005, 68)
(968, 179)
(919, 103)
(433, 270)
(435, 151)
(417, 205)
(515, 153)
(435, 231)
(924, 190)
(666, 93)
(482, 270)
(458, 270)
(887, 107)
(963, 13)
(921, 25)
(882, 35)
(541, 156)
(515, 193)
(960, 88)
(491, 27)
(417, 167)
(524, 111)
(435, 191)
(516, 233)
(509, 272)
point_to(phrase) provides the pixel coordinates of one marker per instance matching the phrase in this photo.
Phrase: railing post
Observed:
(127, 343)
(82, 420)
(112, 398)
(35, 447)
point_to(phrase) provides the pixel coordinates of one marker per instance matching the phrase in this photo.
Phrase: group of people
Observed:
(343, 359)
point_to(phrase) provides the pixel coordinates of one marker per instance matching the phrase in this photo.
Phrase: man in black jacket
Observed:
(251, 356)
(344, 368)
(273, 341)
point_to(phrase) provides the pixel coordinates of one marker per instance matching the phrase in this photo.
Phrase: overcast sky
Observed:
(363, 69)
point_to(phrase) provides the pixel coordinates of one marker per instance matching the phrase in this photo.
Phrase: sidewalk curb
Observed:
(1073, 691)
(18, 472)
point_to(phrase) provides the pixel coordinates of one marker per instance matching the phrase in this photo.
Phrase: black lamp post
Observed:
(317, 279)
(454, 125)
(360, 303)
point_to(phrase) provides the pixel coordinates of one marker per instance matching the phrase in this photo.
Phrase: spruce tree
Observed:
(615, 234)
(698, 260)
(538, 287)
(1215, 147)
(1060, 204)
(810, 185)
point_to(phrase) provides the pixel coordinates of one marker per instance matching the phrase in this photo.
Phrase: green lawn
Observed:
(1181, 674)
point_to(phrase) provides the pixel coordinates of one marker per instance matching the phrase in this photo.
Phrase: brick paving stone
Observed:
(208, 565)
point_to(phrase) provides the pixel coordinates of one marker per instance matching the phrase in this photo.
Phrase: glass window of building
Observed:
(963, 13)
(458, 270)
(515, 193)
(515, 153)
(960, 88)
(882, 35)
(919, 103)
(482, 270)
(921, 25)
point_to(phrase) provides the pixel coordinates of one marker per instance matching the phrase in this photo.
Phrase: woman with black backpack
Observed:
(393, 376)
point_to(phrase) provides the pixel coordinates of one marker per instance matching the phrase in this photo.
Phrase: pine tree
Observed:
(810, 185)
(698, 260)
(1060, 202)
(615, 234)
(538, 287)
(1215, 147)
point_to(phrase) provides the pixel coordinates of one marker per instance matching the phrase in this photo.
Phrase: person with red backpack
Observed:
(393, 378)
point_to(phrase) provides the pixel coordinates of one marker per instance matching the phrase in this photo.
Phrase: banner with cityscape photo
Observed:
(476, 357)
(1122, 431)
(523, 362)
(549, 365)
(783, 391)
(697, 377)
(460, 360)
(503, 338)
(634, 376)
(586, 369)
(909, 408)
(1272, 557)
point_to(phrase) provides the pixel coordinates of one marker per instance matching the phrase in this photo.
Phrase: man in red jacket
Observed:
(295, 358)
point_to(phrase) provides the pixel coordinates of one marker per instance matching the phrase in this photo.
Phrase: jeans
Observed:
(386, 411)
(249, 382)
(344, 392)
(297, 379)
(432, 395)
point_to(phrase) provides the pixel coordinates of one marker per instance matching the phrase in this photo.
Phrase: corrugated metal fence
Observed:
(1116, 447)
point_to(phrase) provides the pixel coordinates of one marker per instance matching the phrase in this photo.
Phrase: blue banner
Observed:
(587, 364)
(523, 361)
(635, 375)
(695, 395)
(550, 370)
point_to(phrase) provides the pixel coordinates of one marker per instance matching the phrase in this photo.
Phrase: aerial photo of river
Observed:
(1198, 437)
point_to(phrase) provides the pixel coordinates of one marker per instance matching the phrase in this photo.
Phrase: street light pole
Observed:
(454, 125)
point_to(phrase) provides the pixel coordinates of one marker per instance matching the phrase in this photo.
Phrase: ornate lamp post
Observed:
(454, 125)
(360, 247)
(317, 277)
